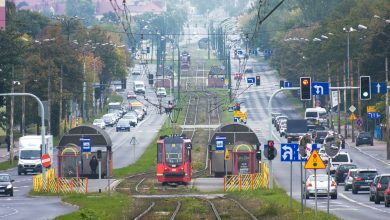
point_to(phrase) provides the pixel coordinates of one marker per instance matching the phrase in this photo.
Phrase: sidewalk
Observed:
(4, 154)
(103, 184)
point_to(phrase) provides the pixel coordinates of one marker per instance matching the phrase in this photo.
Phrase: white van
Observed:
(139, 87)
(318, 114)
(30, 153)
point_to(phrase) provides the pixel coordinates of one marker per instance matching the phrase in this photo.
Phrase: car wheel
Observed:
(357, 144)
(376, 199)
(333, 196)
(281, 135)
(387, 203)
(346, 187)
(307, 196)
(19, 173)
(11, 193)
(372, 144)
(354, 191)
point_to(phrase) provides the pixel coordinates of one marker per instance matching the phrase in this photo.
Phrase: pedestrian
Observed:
(8, 142)
(93, 163)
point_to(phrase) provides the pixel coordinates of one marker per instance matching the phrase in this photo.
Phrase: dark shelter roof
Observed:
(99, 138)
(235, 133)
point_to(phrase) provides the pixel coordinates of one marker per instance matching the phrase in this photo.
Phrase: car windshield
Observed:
(320, 178)
(123, 122)
(30, 154)
(173, 154)
(368, 173)
(365, 134)
(385, 180)
(346, 167)
(4, 178)
(311, 114)
(341, 158)
(322, 134)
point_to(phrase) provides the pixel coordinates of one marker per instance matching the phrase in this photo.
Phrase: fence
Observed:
(247, 181)
(52, 184)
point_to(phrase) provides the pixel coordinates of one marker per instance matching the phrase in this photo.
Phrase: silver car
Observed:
(322, 186)
(100, 123)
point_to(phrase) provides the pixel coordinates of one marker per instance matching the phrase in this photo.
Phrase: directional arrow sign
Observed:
(287, 84)
(320, 88)
(289, 153)
(378, 88)
(250, 80)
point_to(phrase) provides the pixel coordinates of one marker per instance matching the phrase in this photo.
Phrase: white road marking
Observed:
(14, 211)
(361, 151)
(361, 204)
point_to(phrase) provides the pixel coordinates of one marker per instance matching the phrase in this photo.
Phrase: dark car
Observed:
(123, 125)
(319, 136)
(387, 196)
(364, 138)
(363, 179)
(342, 171)
(378, 187)
(6, 187)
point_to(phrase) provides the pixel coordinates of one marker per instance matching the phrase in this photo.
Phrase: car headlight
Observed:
(9, 186)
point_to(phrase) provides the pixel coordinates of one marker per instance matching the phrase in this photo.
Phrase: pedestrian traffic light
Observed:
(99, 154)
(365, 88)
(123, 83)
(147, 49)
(305, 83)
(257, 80)
(271, 150)
(258, 152)
(281, 84)
(150, 77)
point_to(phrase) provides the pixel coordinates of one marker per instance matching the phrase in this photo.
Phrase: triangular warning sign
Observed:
(227, 156)
(314, 161)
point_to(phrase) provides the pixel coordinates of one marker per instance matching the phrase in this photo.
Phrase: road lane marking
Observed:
(367, 154)
(14, 211)
(362, 204)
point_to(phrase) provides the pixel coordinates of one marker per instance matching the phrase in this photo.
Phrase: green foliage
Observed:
(7, 165)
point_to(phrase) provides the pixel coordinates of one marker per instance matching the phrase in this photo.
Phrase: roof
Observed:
(236, 133)
(99, 138)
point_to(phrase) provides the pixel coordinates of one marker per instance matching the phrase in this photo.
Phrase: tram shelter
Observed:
(73, 162)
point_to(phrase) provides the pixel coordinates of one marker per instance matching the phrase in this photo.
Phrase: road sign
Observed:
(315, 162)
(352, 117)
(335, 98)
(250, 80)
(378, 88)
(287, 84)
(371, 108)
(359, 122)
(352, 108)
(85, 145)
(320, 88)
(227, 155)
(373, 115)
(236, 119)
(289, 152)
(46, 161)
(220, 143)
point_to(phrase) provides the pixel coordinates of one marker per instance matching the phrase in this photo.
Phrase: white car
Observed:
(109, 119)
(322, 186)
(161, 92)
(100, 123)
(341, 158)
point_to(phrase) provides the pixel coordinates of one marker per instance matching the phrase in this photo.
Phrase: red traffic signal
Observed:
(305, 83)
(257, 80)
(270, 143)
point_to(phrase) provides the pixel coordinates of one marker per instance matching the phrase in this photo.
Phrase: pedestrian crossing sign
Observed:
(314, 161)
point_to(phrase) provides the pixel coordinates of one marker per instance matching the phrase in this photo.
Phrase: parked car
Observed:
(322, 186)
(341, 158)
(161, 92)
(364, 138)
(99, 123)
(387, 196)
(123, 125)
(6, 187)
(348, 179)
(342, 171)
(378, 187)
(363, 179)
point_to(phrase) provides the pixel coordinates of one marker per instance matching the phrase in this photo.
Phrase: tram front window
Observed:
(173, 154)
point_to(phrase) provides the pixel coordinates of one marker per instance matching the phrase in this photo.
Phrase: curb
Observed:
(367, 154)
(69, 204)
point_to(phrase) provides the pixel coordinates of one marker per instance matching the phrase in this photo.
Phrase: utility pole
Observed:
(338, 107)
(359, 101)
(345, 107)
(23, 105)
(84, 90)
(60, 113)
(48, 102)
(352, 102)
(208, 43)
(11, 136)
(178, 73)
(230, 77)
(387, 111)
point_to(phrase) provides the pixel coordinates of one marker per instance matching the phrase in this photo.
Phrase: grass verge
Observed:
(275, 204)
(7, 165)
(98, 206)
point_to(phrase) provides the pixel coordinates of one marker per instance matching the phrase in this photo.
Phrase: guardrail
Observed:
(248, 181)
(52, 184)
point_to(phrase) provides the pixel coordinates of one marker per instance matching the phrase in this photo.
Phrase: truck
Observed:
(30, 153)
(295, 129)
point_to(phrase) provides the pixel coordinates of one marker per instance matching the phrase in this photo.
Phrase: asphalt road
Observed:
(255, 100)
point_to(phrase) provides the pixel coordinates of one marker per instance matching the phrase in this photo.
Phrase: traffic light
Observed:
(97, 93)
(281, 84)
(99, 154)
(150, 77)
(305, 83)
(257, 80)
(258, 152)
(365, 88)
(123, 83)
(271, 150)
(147, 49)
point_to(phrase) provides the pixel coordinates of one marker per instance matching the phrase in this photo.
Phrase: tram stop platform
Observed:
(208, 184)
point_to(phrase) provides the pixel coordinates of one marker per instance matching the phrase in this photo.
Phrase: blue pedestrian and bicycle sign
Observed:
(320, 88)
